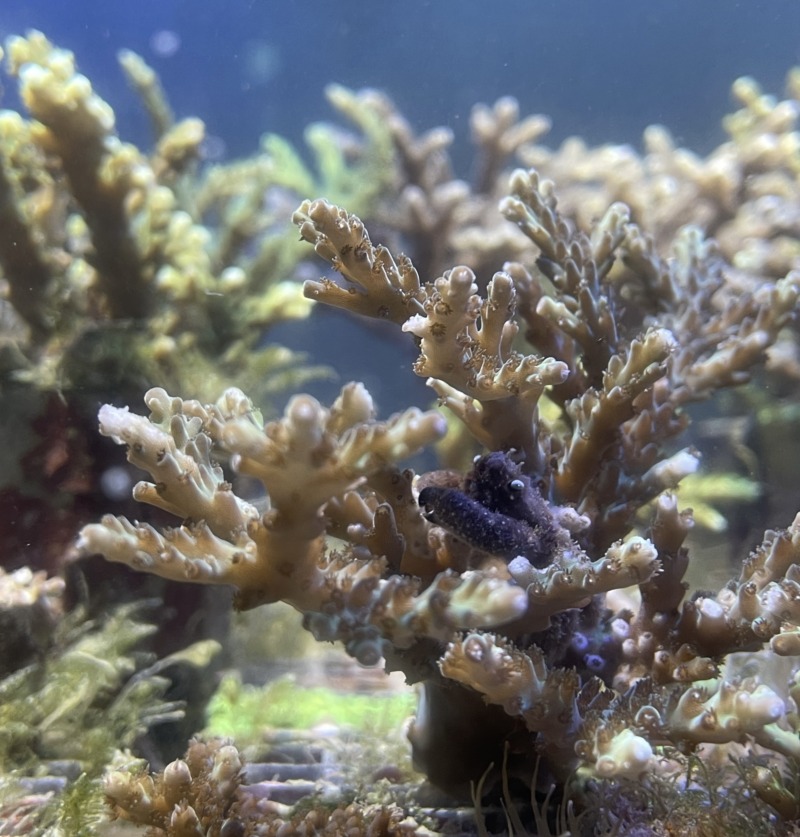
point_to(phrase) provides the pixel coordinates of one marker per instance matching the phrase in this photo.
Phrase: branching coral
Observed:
(744, 192)
(309, 457)
(157, 269)
(123, 268)
(618, 339)
(609, 382)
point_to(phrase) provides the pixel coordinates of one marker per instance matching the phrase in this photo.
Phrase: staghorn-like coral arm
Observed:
(623, 396)
(646, 639)
(743, 331)
(577, 265)
(23, 255)
(216, 542)
(308, 457)
(687, 644)
(476, 357)
(191, 552)
(173, 448)
(620, 389)
(380, 286)
(466, 350)
(723, 334)
(346, 600)
(761, 606)
(615, 734)
(144, 80)
(719, 338)
(466, 342)
(598, 416)
(498, 132)
(572, 578)
(316, 454)
(744, 192)
(79, 127)
(673, 641)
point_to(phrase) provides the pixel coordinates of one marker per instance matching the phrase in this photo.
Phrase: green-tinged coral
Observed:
(362, 183)
(90, 690)
(703, 492)
(122, 266)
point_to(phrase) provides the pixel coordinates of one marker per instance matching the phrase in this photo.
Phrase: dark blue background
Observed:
(601, 68)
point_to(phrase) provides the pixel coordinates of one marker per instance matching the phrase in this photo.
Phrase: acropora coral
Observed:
(200, 794)
(492, 588)
(549, 628)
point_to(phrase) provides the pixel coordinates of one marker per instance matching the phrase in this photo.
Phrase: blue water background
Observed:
(604, 69)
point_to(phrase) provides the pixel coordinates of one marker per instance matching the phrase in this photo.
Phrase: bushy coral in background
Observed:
(144, 267)
(121, 268)
(73, 691)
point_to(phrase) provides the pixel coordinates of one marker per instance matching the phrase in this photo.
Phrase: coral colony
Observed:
(536, 592)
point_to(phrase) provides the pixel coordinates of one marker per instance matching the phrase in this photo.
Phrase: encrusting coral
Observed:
(489, 587)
